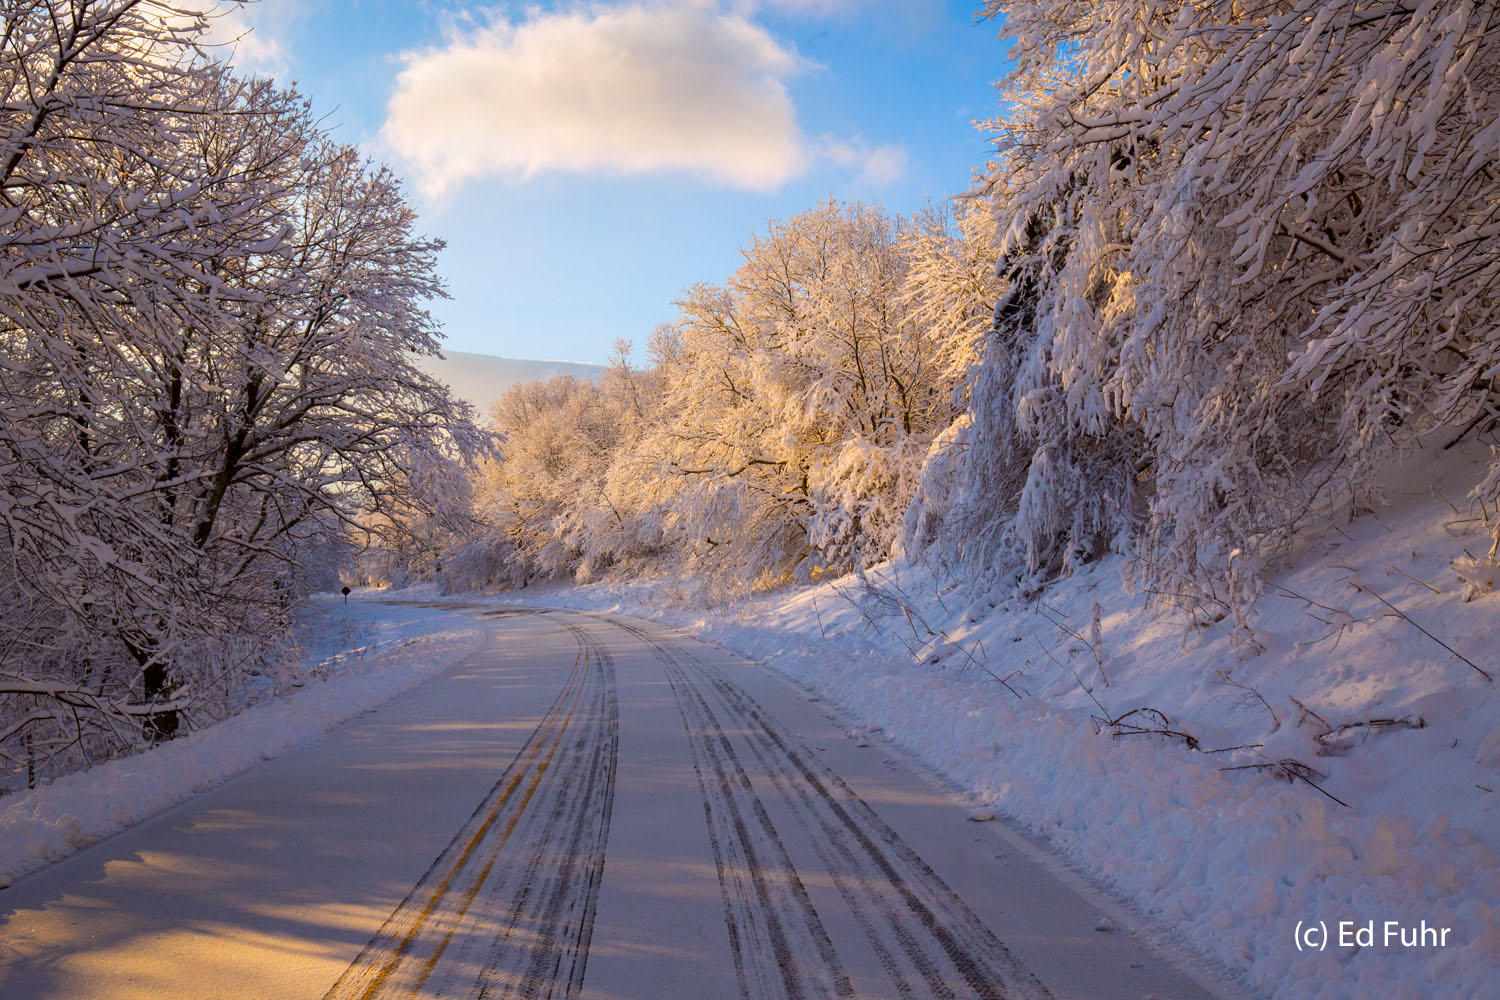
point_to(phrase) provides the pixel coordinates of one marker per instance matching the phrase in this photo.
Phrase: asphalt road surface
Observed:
(591, 806)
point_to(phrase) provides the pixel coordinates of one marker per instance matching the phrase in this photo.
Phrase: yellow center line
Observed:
(399, 953)
(515, 818)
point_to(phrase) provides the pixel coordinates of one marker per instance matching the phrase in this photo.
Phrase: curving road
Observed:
(591, 806)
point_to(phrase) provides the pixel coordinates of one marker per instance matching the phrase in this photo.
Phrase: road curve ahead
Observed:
(591, 806)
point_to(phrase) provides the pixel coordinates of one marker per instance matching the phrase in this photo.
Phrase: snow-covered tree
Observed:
(781, 426)
(207, 318)
(1263, 256)
(802, 399)
(560, 438)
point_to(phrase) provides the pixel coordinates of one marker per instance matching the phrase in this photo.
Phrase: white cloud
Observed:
(805, 7)
(622, 90)
(878, 165)
(896, 15)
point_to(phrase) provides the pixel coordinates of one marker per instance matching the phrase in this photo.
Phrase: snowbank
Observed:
(368, 652)
(1359, 666)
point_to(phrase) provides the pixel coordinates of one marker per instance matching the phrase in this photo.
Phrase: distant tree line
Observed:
(778, 433)
(1227, 262)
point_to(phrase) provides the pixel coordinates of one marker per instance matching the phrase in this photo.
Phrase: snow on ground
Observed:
(367, 653)
(1357, 672)
(1358, 675)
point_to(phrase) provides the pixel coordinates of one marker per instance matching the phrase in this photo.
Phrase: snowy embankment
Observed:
(1359, 680)
(366, 653)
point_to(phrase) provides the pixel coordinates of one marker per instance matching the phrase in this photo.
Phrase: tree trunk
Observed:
(156, 685)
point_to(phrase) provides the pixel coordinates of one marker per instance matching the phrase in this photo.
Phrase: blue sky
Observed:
(587, 161)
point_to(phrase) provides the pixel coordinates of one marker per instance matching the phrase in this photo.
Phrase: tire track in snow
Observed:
(779, 944)
(507, 908)
(564, 873)
(929, 943)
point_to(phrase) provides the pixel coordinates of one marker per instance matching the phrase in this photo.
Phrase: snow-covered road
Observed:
(589, 806)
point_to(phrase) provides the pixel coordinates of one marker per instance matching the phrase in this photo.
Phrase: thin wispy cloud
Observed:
(902, 15)
(251, 35)
(809, 7)
(614, 90)
(878, 166)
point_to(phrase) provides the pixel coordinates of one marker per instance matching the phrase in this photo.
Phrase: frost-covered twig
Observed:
(1393, 568)
(1155, 723)
(1291, 770)
(1251, 692)
(1363, 588)
(1094, 642)
(1329, 739)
